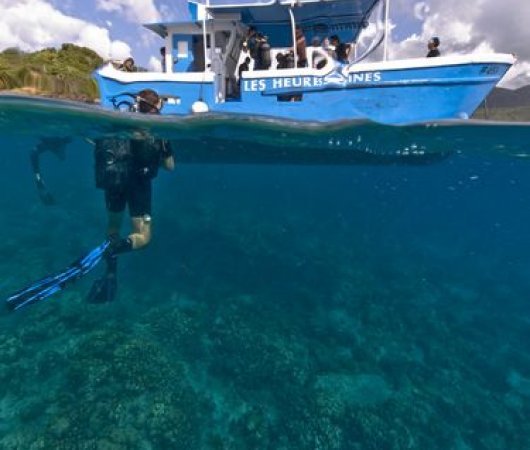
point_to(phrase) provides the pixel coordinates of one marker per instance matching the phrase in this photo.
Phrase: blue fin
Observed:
(51, 284)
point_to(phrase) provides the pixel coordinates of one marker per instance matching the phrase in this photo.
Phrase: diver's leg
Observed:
(116, 200)
(114, 222)
(104, 289)
(141, 231)
(140, 210)
(138, 197)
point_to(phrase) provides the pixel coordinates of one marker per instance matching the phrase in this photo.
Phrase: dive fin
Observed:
(103, 290)
(44, 194)
(51, 284)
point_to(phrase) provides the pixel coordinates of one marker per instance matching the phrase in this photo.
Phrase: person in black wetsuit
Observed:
(433, 45)
(124, 170)
(55, 145)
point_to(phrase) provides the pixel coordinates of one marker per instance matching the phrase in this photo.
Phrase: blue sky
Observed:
(113, 27)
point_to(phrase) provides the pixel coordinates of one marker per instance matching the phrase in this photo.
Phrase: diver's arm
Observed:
(167, 159)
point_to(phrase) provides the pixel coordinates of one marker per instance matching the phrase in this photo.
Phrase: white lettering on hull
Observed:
(279, 83)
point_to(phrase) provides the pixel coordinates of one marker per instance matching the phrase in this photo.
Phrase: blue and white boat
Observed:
(203, 54)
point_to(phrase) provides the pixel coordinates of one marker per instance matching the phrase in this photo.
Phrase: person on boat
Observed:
(319, 57)
(433, 46)
(124, 169)
(338, 50)
(262, 59)
(343, 53)
(326, 45)
(281, 61)
(250, 42)
(243, 67)
(128, 65)
(301, 50)
(334, 41)
(163, 58)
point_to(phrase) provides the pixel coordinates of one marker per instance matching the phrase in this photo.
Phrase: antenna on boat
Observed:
(387, 29)
(204, 17)
(200, 106)
(293, 32)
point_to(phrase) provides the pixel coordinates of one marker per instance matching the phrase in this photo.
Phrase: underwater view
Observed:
(348, 286)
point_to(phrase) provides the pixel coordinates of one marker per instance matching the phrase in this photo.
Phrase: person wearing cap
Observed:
(301, 51)
(163, 58)
(433, 45)
(128, 66)
(124, 170)
(319, 57)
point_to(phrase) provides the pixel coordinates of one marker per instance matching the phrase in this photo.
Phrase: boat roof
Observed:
(162, 28)
(323, 13)
(345, 18)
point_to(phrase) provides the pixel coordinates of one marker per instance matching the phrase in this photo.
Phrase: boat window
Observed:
(197, 51)
(182, 49)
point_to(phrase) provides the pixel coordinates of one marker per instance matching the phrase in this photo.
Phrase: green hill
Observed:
(64, 72)
(503, 114)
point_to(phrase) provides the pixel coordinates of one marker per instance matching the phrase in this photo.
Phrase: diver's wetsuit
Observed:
(124, 170)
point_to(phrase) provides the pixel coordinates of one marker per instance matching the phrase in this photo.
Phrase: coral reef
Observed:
(269, 326)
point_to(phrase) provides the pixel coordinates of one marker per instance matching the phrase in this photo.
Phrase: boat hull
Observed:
(388, 92)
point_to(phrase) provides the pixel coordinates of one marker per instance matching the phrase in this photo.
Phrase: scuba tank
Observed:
(113, 161)
(122, 161)
(264, 55)
(289, 61)
(147, 154)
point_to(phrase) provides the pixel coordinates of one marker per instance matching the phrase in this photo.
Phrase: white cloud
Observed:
(470, 27)
(176, 11)
(136, 11)
(154, 64)
(421, 9)
(35, 24)
(119, 50)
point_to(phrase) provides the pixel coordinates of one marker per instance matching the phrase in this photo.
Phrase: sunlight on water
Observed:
(365, 288)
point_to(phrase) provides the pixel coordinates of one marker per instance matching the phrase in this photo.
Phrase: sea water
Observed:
(352, 286)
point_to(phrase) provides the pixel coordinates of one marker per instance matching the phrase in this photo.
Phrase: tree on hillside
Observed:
(64, 72)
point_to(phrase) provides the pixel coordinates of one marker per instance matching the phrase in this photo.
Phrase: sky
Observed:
(113, 28)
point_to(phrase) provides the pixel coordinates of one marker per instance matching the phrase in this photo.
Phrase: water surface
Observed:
(366, 288)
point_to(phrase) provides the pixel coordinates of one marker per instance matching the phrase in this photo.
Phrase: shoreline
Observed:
(31, 91)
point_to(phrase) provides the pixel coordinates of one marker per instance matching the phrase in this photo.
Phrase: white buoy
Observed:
(199, 107)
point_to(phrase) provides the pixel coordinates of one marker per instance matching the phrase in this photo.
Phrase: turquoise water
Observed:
(380, 302)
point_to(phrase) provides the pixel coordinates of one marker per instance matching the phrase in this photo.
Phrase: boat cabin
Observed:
(213, 41)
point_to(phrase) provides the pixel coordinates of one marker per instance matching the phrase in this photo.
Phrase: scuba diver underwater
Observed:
(124, 170)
